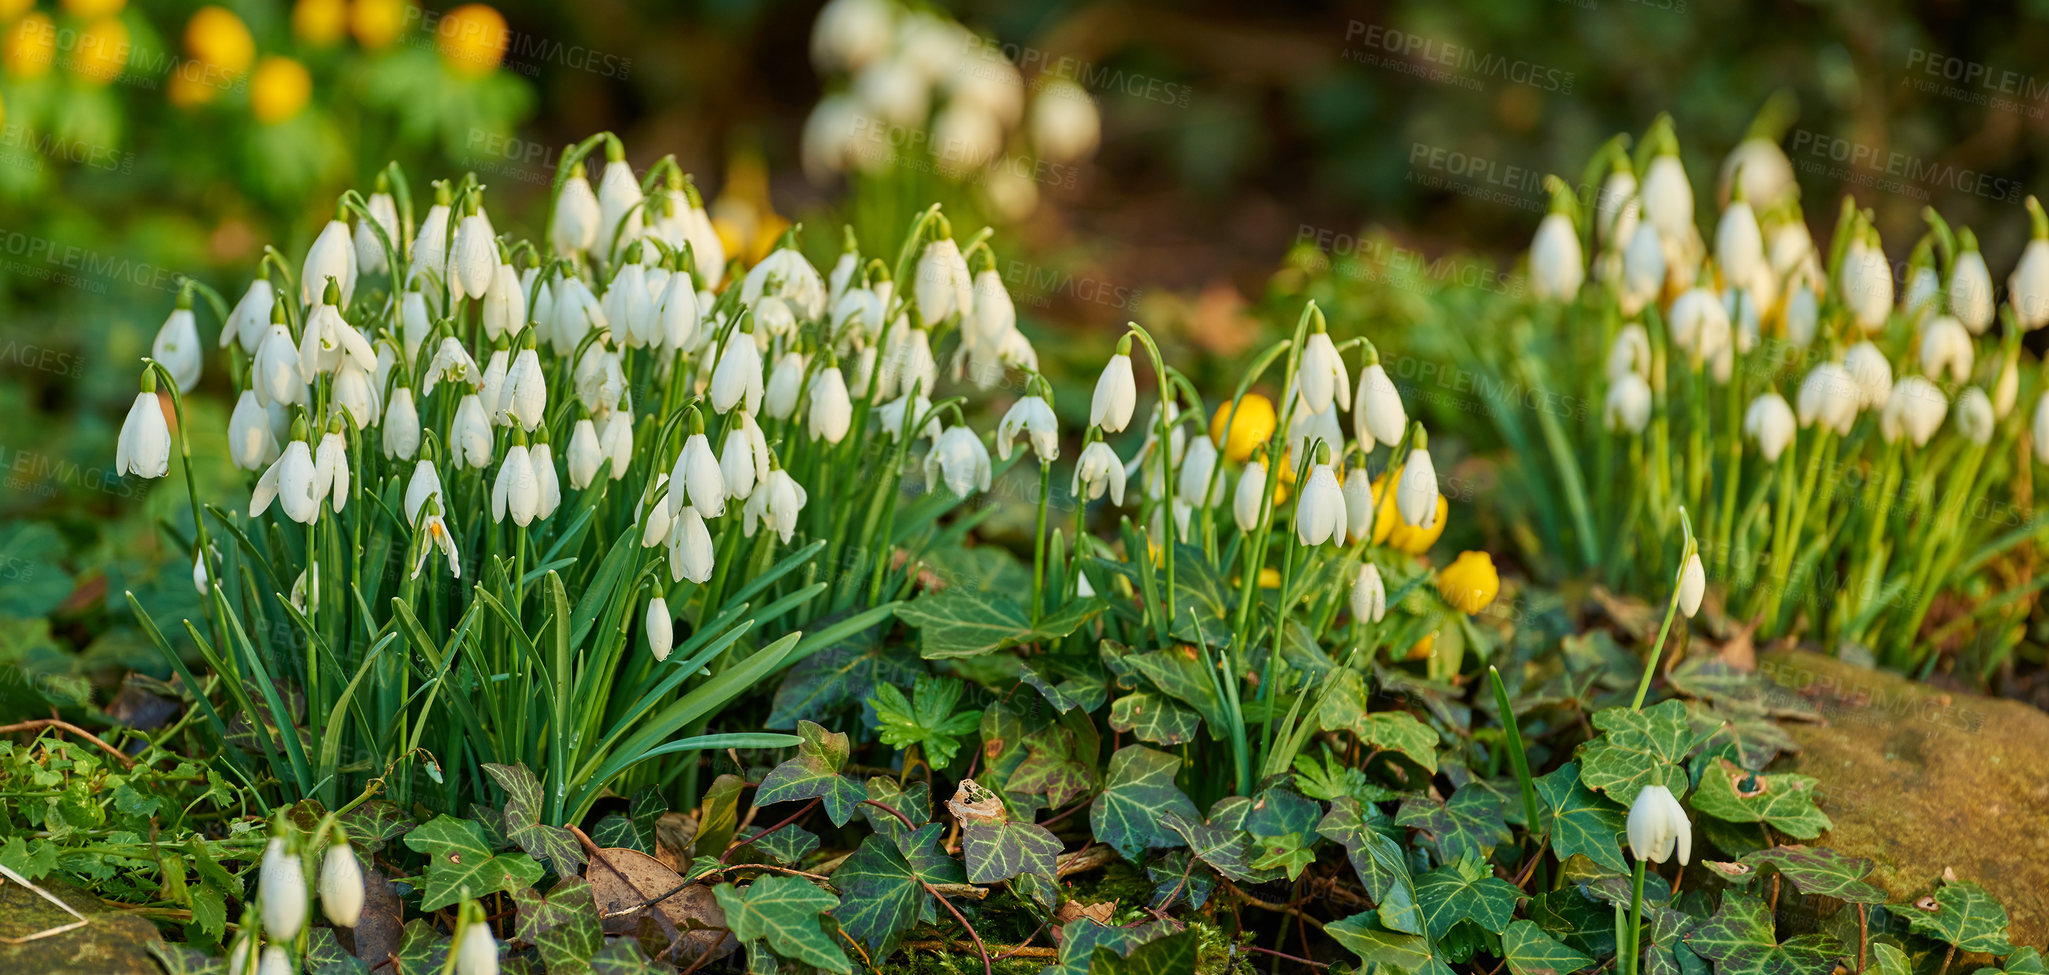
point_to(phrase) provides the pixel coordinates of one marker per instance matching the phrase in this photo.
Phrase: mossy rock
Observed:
(1919, 779)
(110, 943)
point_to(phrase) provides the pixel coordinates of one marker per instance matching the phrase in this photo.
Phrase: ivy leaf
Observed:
(1582, 822)
(1380, 862)
(1888, 960)
(839, 677)
(422, 949)
(1375, 945)
(1289, 853)
(1051, 769)
(324, 955)
(929, 719)
(2024, 961)
(621, 957)
(1636, 749)
(914, 804)
(1811, 870)
(1784, 800)
(1083, 690)
(1740, 941)
(1155, 717)
(1467, 890)
(1470, 823)
(1181, 674)
(1529, 951)
(1400, 732)
(1963, 915)
(1279, 810)
(537, 914)
(814, 774)
(1221, 842)
(999, 851)
(374, 823)
(786, 845)
(880, 898)
(1175, 880)
(460, 864)
(784, 912)
(1079, 940)
(523, 825)
(960, 623)
(180, 959)
(1140, 791)
(1174, 954)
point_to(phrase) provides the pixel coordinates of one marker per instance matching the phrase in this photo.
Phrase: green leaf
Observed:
(523, 826)
(880, 897)
(460, 864)
(1174, 954)
(814, 774)
(1470, 823)
(1051, 768)
(1889, 960)
(2024, 961)
(1399, 732)
(784, 912)
(1740, 941)
(1181, 674)
(1811, 870)
(929, 719)
(1155, 717)
(1289, 853)
(1362, 935)
(537, 915)
(960, 623)
(786, 845)
(1784, 800)
(1079, 940)
(1582, 822)
(1462, 891)
(1084, 690)
(421, 949)
(324, 955)
(621, 957)
(1529, 951)
(1222, 841)
(839, 677)
(999, 851)
(1139, 792)
(1636, 749)
(375, 823)
(33, 581)
(1379, 861)
(180, 959)
(1963, 915)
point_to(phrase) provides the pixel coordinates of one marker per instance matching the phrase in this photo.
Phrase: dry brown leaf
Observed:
(973, 804)
(624, 881)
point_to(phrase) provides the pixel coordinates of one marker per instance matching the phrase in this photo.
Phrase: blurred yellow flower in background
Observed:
(279, 89)
(192, 84)
(217, 38)
(377, 23)
(102, 51)
(1251, 426)
(1470, 582)
(10, 9)
(93, 8)
(30, 47)
(319, 22)
(1422, 649)
(472, 39)
(745, 219)
(1388, 526)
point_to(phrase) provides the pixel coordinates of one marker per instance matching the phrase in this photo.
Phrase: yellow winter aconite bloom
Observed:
(1251, 426)
(279, 89)
(1469, 582)
(192, 84)
(319, 22)
(1422, 649)
(1388, 527)
(377, 23)
(10, 9)
(472, 39)
(215, 37)
(93, 8)
(30, 47)
(102, 51)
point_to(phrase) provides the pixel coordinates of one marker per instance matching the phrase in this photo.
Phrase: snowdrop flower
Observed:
(676, 313)
(475, 258)
(860, 308)
(430, 245)
(504, 303)
(577, 214)
(341, 886)
(851, 33)
(1248, 500)
(401, 425)
(661, 634)
(630, 309)
(251, 445)
(1192, 480)
(619, 202)
(1557, 265)
(478, 953)
(1866, 280)
(600, 379)
(333, 255)
(1320, 375)
(1828, 396)
(177, 345)
(965, 136)
(1699, 324)
(1872, 373)
(2038, 429)
(737, 380)
(281, 887)
(1320, 512)
(1628, 405)
(1924, 289)
(274, 962)
(1769, 422)
(584, 455)
(832, 412)
(329, 340)
(370, 254)
(959, 458)
(690, 551)
(1667, 196)
(743, 460)
(1380, 417)
(917, 371)
(355, 392)
(290, 482)
(1739, 245)
(1358, 502)
(942, 285)
(891, 416)
(1970, 287)
(573, 312)
(1643, 269)
(994, 318)
(414, 322)
(2027, 289)
(2006, 388)
(250, 321)
(1975, 416)
(1098, 470)
(1657, 825)
(469, 435)
(1369, 595)
(1033, 417)
(776, 505)
(1631, 352)
(1064, 123)
(616, 440)
(1692, 585)
(424, 485)
(785, 384)
(524, 396)
(1947, 345)
(697, 476)
(1307, 429)
(144, 446)
(331, 470)
(517, 489)
(1116, 394)
(492, 388)
(1415, 496)
(1915, 408)
(656, 517)
(785, 274)
(1803, 317)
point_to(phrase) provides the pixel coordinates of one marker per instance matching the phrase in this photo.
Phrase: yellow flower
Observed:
(279, 89)
(192, 84)
(102, 51)
(319, 22)
(30, 47)
(472, 39)
(1253, 425)
(1388, 527)
(10, 9)
(218, 39)
(377, 23)
(89, 9)
(1469, 582)
(1422, 649)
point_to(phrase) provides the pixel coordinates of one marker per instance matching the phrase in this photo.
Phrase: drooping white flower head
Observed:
(1192, 478)
(942, 286)
(1699, 324)
(1769, 421)
(2027, 289)
(661, 633)
(851, 33)
(1970, 288)
(251, 444)
(1033, 417)
(1946, 346)
(1667, 196)
(250, 321)
(1116, 395)
(1359, 502)
(775, 504)
(1247, 500)
(370, 254)
(1803, 317)
(1627, 407)
(785, 384)
(504, 310)
(577, 215)
(341, 886)
(1829, 397)
(1631, 352)
(524, 397)
(2038, 429)
(1872, 373)
(469, 435)
(177, 346)
(274, 962)
(1098, 470)
(1692, 585)
(959, 459)
(1739, 244)
(144, 446)
(1320, 513)
(333, 255)
(478, 953)
(1320, 376)
(1975, 417)
(1866, 281)
(620, 210)
(1643, 269)
(677, 313)
(690, 549)
(1657, 825)
(517, 490)
(892, 418)
(1065, 125)
(281, 887)
(1369, 595)
(1915, 409)
(616, 440)
(1557, 264)
(289, 481)
(475, 257)
(696, 479)
(1380, 417)
(430, 245)
(1415, 495)
(585, 456)
(743, 459)
(832, 411)
(737, 379)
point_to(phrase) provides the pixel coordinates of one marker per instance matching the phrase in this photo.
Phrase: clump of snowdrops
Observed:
(1852, 451)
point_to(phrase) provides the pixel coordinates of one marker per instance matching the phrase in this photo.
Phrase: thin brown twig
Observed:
(983, 949)
(1297, 959)
(60, 724)
(1264, 905)
(799, 814)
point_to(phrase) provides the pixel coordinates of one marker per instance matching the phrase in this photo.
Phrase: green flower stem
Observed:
(1163, 457)
(1671, 610)
(1784, 546)
(1636, 917)
(1039, 542)
(1518, 757)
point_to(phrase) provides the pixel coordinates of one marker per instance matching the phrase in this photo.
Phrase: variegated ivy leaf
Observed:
(784, 912)
(1181, 674)
(523, 826)
(1811, 870)
(1381, 864)
(1155, 717)
(622, 957)
(784, 846)
(1739, 940)
(324, 955)
(421, 948)
(1140, 792)
(1470, 823)
(1636, 749)
(1173, 954)
(1962, 914)
(996, 852)
(1466, 890)
(1401, 733)
(375, 823)
(880, 897)
(814, 774)
(460, 864)
(564, 903)
(1529, 951)
(1222, 841)
(1051, 769)
(914, 804)
(1582, 822)
(180, 959)
(1362, 935)
(1783, 800)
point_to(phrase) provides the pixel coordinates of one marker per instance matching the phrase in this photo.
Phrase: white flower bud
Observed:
(1116, 395)
(281, 886)
(1369, 595)
(341, 886)
(1657, 825)
(144, 446)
